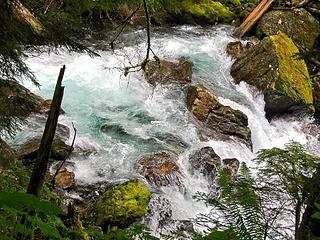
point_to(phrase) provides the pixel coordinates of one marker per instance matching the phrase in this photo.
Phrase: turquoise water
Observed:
(120, 119)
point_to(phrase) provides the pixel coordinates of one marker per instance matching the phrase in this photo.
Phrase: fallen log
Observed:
(254, 16)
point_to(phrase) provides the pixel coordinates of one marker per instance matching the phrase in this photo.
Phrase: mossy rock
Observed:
(120, 205)
(208, 10)
(273, 67)
(298, 24)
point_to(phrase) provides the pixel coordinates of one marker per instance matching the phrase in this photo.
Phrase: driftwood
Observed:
(41, 165)
(254, 16)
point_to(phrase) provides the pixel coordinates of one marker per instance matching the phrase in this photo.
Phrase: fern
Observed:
(20, 210)
(237, 208)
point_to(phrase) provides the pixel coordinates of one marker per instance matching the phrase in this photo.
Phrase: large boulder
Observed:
(17, 103)
(121, 205)
(298, 24)
(205, 160)
(167, 72)
(8, 155)
(217, 118)
(59, 150)
(160, 169)
(273, 67)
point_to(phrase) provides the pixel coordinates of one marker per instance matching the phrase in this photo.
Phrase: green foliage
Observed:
(316, 215)
(237, 208)
(286, 170)
(23, 213)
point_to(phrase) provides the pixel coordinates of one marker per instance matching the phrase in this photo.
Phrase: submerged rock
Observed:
(167, 72)
(8, 155)
(235, 49)
(160, 169)
(273, 68)
(65, 179)
(298, 24)
(217, 118)
(205, 160)
(59, 150)
(121, 205)
(159, 212)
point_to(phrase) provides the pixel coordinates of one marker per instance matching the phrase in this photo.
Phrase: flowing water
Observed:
(120, 119)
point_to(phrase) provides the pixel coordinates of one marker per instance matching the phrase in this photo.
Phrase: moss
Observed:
(121, 204)
(294, 80)
(207, 9)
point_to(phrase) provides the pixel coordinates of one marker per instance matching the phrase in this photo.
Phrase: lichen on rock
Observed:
(274, 68)
(298, 24)
(120, 205)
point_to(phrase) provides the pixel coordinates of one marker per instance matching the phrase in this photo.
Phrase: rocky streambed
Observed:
(148, 142)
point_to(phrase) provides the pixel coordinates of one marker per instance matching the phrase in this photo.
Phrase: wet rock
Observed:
(160, 169)
(159, 212)
(90, 192)
(232, 166)
(20, 100)
(235, 49)
(59, 149)
(46, 105)
(298, 24)
(65, 179)
(8, 155)
(122, 204)
(217, 118)
(167, 72)
(205, 160)
(35, 124)
(271, 66)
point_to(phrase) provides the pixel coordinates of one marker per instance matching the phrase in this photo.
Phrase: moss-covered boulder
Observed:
(273, 67)
(298, 24)
(121, 205)
(168, 72)
(217, 120)
(8, 155)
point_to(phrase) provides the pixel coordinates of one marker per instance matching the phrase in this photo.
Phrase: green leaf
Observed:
(316, 215)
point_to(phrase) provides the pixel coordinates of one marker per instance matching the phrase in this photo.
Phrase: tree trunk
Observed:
(41, 165)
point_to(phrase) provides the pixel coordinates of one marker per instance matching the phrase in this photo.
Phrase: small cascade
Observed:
(120, 119)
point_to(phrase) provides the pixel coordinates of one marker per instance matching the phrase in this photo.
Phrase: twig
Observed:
(53, 181)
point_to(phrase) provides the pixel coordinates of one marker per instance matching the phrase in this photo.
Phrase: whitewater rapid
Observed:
(119, 119)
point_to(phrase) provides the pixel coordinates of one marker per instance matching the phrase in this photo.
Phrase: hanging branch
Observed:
(41, 165)
(146, 11)
(53, 181)
(142, 65)
(123, 26)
